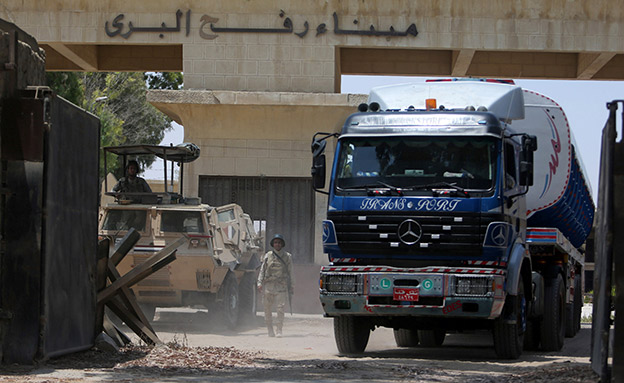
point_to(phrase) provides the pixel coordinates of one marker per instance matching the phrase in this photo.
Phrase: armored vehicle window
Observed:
(226, 216)
(125, 219)
(181, 222)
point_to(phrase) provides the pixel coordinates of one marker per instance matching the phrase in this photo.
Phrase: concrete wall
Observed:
(457, 37)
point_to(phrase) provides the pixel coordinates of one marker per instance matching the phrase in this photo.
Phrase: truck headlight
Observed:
(473, 286)
(341, 283)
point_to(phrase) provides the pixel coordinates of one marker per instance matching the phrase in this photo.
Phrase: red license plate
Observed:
(405, 294)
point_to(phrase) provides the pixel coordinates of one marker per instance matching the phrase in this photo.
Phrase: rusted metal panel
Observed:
(605, 249)
(70, 228)
(50, 229)
(618, 258)
(23, 129)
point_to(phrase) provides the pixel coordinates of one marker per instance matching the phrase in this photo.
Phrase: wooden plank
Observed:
(128, 298)
(153, 263)
(111, 330)
(147, 335)
(125, 245)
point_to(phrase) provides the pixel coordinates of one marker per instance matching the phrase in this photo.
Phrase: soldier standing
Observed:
(132, 183)
(275, 281)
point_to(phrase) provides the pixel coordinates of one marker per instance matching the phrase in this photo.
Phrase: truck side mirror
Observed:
(318, 172)
(529, 145)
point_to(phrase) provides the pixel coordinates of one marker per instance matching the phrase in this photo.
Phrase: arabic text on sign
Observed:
(117, 28)
(406, 294)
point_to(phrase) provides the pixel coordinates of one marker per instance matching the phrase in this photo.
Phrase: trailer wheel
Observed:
(510, 327)
(351, 334)
(247, 295)
(553, 323)
(406, 337)
(569, 323)
(228, 306)
(431, 338)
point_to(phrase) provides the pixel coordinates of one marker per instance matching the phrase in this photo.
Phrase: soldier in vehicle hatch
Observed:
(276, 283)
(132, 183)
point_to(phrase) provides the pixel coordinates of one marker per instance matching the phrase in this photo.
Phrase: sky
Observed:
(584, 103)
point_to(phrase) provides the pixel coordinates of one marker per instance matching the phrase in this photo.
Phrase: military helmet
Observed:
(135, 163)
(277, 236)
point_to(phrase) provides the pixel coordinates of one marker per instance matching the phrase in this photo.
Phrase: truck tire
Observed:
(406, 337)
(351, 334)
(553, 323)
(569, 323)
(431, 338)
(247, 295)
(510, 327)
(228, 306)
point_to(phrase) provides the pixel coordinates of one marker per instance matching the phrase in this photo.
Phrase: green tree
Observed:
(68, 85)
(119, 99)
(164, 80)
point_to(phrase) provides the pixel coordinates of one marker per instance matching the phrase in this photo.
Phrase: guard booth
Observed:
(49, 152)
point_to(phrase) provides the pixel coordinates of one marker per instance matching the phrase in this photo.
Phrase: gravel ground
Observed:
(196, 352)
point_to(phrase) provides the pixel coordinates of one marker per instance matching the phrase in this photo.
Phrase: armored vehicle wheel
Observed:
(553, 323)
(431, 338)
(228, 306)
(351, 334)
(247, 295)
(509, 328)
(406, 337)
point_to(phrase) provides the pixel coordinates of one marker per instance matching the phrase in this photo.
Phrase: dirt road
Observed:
(307, 352)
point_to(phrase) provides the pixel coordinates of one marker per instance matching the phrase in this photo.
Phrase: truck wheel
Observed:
(228, 307)
(553, 323)
(247, 295)
(569, 323)
(351, 334)
(509, 328)
(431, 338)
(406, 337)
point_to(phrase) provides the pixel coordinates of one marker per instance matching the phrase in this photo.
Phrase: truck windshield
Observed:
(467, 162)
(124, 219)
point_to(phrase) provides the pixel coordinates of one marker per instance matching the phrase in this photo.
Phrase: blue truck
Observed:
(454, 206)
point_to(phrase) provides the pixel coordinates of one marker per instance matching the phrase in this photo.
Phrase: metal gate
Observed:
(283, 205)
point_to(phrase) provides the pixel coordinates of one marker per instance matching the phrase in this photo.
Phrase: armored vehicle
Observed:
(216, 268)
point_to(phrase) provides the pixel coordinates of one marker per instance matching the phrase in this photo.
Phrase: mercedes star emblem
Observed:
(409, 232)
(499, 235)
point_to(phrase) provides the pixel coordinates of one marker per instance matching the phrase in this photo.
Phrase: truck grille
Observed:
(440, 233)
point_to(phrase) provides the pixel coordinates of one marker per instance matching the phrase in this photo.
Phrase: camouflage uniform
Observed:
(276, 281)
(136, 185)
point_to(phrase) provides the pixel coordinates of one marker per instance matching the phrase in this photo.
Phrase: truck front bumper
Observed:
(426, 292)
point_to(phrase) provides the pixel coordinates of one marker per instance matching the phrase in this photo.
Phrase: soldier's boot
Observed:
(269, 324)
(280, 322)
(278, 330)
